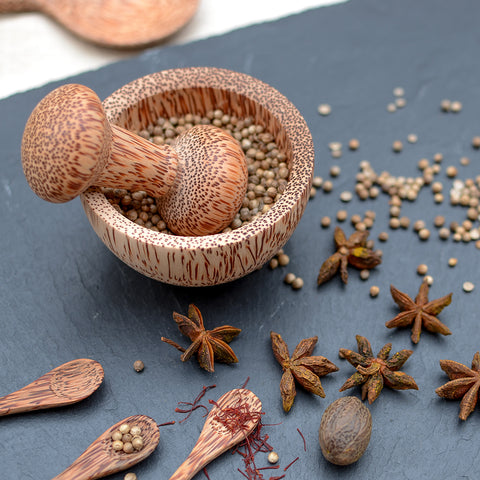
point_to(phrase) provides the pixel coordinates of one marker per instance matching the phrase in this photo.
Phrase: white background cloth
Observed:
(35, 50)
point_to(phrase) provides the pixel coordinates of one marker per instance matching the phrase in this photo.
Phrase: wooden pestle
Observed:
(68, 146)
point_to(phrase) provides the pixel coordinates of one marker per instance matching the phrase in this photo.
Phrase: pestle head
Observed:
(210, 185)
(66, 143)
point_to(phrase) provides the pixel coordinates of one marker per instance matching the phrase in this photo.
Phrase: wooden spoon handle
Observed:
(11, 6)
(28, 398)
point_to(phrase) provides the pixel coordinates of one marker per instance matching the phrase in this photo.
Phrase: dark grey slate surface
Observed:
(63, 295)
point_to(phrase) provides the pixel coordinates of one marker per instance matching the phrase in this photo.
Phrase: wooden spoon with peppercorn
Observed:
(101, 459)
(233, 417)
(69, 383)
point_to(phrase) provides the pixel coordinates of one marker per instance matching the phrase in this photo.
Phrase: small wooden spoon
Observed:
(69, 383)
(68, 145)
(113, 23)
(231, 420)
(100, 460)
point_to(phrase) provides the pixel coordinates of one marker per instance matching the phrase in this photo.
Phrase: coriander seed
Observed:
(130, 476)
(445, 105)
(439, 221)
(394, 223)
(476, 142)
(317, 182)
(451, 171)
(468, 286)
(136, 431)
(342, 215)
(117, 445)
(464, 161)
(138, 366)
(452, 262)
(325, 222)
(398, 92)
(404, 222)
(391, 107)
(124, 428)
(397, 146)
(456, 106)
(400, 102)
(444, 233)
(424, 234)
(297, 283)
(283, 259)
(128, 447)
(289, 278)
(273, 264)
(272, 457)
(346, 196)
(137, 443)
(428, 279)
(324, 109)
(383, 236)
(353, 144)
(116, 435)
(327, 186)
(374, 291)
(412, 138)
(422, 269)
(364, 274)
(438, 157)
(335, 171)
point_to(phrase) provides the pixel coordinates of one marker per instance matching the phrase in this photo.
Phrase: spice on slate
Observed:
(209, 345)
(345, 431)
(464, 383)
(353, 251)
(301, 366)
(420, 312)
(375, 372)
(192, 406)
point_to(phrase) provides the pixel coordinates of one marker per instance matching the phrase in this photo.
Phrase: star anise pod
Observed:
(375, 372)
(209, 345)
(353, 252)
(464, 383)
(301, 366)
(419, 312)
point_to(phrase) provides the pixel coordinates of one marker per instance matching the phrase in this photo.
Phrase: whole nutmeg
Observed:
(345, 430)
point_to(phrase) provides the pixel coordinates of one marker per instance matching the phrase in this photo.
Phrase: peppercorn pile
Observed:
(266, 164)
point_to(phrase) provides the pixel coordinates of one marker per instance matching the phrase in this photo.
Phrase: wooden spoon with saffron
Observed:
(100, 459)
(68, 146)
(231, 419)
(113, 23)
(69, 383)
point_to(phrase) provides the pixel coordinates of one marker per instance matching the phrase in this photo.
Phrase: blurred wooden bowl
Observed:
(223, 257)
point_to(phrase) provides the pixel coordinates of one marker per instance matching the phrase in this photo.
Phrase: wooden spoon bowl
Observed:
(100, 459)
(223, 257)
(113, 23)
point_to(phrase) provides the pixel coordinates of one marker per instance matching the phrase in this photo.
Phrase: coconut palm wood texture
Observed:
(100, 459)
(113, 23)
(211, 259)
(231, 419)
(69, 383)
(68, 145)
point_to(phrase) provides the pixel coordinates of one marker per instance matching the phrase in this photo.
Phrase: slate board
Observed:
(63, 295)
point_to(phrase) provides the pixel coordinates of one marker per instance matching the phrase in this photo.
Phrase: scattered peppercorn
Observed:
(468, 286)
(397, 146)
(289, 278)
(272, 457)
(422, 269)
(130, 476)
(297, 283)
(374, 291)
(138, 366)
(452, 262)
(353, 144)
(325, 222)
(324, 109)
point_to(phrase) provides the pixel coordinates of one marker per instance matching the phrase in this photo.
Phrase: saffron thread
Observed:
(192, 406)
(290, 464)
(303, 438)
(166, 423)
